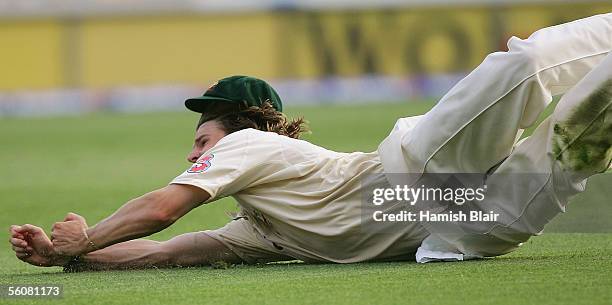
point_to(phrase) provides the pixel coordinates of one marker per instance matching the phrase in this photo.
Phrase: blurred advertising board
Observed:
(392, 52)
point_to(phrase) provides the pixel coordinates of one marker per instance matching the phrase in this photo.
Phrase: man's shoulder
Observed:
(270, 143)
(252, 134)
(258, 135)
(267, 142)
(243, 136)
(256, 140)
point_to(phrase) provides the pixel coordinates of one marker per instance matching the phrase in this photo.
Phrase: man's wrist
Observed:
(91, 245)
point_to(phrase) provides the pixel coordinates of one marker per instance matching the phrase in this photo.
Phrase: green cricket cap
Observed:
(236, 89)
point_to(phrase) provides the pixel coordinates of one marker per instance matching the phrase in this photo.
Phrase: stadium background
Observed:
(71, 57)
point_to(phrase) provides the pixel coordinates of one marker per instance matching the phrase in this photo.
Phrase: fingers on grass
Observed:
(22, 256)
(18, 242)
(15, 231)
(20, 250)
(31, 229)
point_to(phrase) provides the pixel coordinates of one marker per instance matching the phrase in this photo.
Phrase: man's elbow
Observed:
(160, 211)
(164, 218)
(168, 204)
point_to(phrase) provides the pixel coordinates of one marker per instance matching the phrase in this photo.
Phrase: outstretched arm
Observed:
(32, 246)
(139, 217)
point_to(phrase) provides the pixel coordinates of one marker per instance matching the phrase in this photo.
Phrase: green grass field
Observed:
(92, 164)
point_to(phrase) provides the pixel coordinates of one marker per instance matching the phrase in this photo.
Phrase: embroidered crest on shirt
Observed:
(201, 165)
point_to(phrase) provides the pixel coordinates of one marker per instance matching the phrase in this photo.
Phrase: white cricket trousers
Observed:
(475, 127)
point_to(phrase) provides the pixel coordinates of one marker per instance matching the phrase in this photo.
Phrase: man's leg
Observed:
(570, 146)
(476, 124)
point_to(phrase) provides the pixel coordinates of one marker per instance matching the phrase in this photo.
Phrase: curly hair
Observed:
(264, 118)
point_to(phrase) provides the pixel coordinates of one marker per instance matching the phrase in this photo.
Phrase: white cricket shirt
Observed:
(302, 197)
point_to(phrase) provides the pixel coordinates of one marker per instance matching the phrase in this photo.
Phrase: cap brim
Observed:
(199, 104)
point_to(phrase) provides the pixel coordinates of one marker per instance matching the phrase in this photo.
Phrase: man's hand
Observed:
(33, 246)
(70, 237)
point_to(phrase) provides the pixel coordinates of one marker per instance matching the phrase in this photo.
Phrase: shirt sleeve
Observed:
(235, 163)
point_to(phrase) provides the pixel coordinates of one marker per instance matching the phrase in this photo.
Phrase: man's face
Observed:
(206, 137)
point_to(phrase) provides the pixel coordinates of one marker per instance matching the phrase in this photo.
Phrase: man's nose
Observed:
(193, 156)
